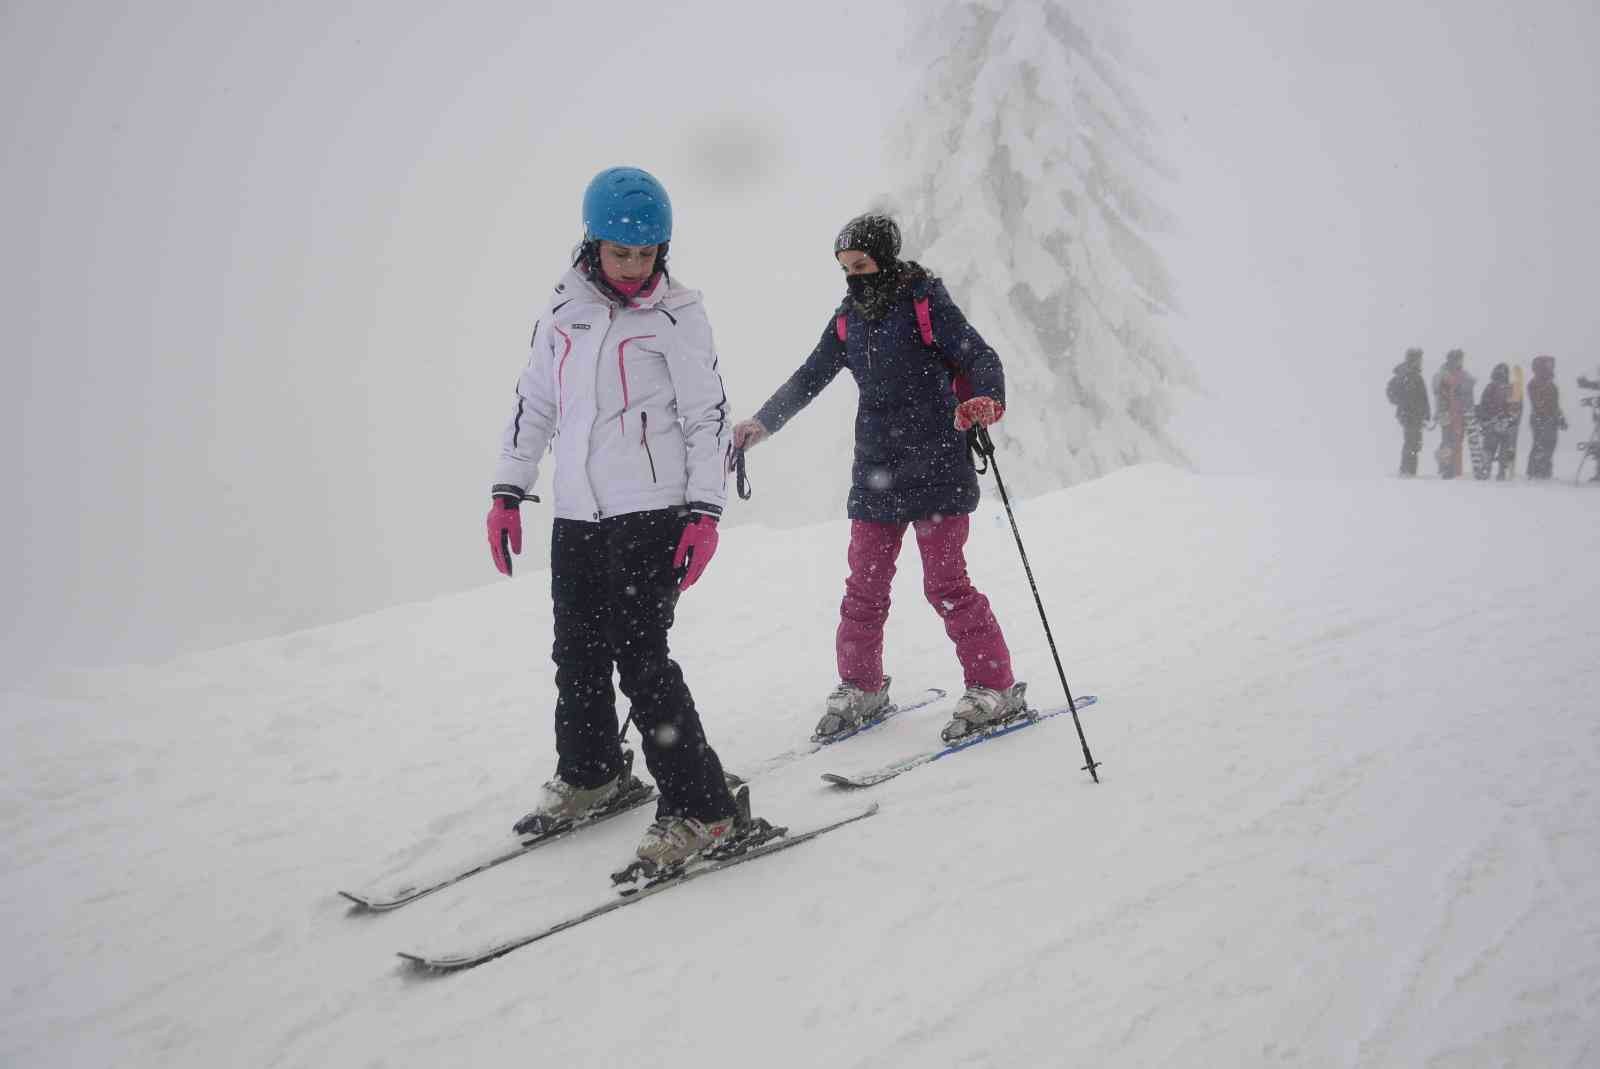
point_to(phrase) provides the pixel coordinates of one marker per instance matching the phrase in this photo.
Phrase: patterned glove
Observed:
(978, 411)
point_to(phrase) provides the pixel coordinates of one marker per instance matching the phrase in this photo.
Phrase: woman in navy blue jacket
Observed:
(911, 352)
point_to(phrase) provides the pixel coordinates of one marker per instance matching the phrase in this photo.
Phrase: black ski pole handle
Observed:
(741, 481)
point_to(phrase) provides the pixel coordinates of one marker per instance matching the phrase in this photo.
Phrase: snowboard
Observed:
(1475, 449)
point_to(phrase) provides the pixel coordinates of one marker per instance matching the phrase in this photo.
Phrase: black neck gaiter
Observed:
(871, 295)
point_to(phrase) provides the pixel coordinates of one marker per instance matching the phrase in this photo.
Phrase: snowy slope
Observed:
(1349, 815)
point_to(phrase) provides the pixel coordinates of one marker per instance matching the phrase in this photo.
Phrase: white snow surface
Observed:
(1348, 816)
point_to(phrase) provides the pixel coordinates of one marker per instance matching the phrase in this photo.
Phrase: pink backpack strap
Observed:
(924, 321)
(840, 328)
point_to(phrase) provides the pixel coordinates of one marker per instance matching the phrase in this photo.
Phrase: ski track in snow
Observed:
(1349, 814)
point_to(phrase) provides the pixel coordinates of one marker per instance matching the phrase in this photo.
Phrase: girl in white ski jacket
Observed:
(632, 398)
(622, 387)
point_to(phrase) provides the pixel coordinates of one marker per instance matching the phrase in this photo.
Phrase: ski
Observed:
(904, 765)
(408, 892)
(814, 744)
(445, 963)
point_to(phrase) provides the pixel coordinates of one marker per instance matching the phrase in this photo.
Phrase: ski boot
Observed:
(562, 804)
(671, 844)
(850, 708)
(671, 841)
(982, 709)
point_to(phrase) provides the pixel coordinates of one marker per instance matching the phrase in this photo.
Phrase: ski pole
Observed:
(983, 445)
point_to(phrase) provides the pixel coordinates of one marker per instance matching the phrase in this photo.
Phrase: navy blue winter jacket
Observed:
(910, 461)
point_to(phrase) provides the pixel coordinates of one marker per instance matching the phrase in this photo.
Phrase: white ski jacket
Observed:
(631, 397)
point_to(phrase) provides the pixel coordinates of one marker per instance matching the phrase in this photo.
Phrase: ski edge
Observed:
(439, 965)
(363, 904)
(898, 768)
(928, 696)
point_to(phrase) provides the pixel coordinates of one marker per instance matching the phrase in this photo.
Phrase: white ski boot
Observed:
(671, 841)
(562, 803)
(981, 708)
(672, 844)
(849, 707)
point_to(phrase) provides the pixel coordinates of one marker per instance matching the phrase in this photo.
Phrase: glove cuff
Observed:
(706, 509)
(507, 496)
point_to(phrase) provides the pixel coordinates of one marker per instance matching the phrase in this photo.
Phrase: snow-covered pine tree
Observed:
(1026, 157)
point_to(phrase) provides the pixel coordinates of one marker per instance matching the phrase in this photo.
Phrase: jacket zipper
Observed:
(644, 440)
(611, 318)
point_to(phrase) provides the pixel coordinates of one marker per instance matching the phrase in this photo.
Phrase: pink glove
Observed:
(978, 410)
(695, 549)
(505, 532)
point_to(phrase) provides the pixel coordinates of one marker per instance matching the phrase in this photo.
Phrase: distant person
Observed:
(1591, 448)
(623, 386)
(906, 344)
(1452, 397)
(1409, 395)
(1494, 417)
(1545, 419)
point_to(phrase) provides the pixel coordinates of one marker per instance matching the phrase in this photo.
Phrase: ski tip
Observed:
(837, 780)
(358, 904)
(431, 966)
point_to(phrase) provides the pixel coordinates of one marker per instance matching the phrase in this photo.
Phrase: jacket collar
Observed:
(577, 282)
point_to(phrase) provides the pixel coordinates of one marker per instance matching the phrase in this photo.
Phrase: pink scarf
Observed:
(631, 289)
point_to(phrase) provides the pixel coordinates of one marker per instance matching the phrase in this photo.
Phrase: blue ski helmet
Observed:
(627, 206)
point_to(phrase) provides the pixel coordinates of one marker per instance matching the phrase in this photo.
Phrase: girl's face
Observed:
(856, 263)
(627, 263)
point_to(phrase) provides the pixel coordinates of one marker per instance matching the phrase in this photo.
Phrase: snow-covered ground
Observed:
(1348, 816)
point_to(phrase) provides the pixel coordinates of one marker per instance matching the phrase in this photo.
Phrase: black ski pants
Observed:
(1542, 453)
(614, 592)
(1411, 447)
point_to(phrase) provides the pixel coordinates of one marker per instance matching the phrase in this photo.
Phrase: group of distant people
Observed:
(1483, 432)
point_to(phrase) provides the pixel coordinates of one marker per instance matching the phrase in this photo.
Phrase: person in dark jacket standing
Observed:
(1544, 416)
(1495, 416)
(1409, 395)
(909, 348)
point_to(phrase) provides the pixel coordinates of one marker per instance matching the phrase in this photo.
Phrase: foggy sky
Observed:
(1358, 178)
(270, 274)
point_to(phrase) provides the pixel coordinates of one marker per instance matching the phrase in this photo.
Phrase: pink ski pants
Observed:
(980, 647)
